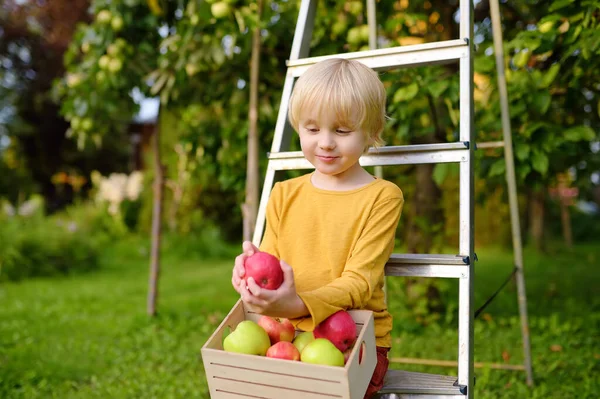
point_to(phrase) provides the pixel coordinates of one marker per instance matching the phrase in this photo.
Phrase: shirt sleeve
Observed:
(363, 270)
(269, 241)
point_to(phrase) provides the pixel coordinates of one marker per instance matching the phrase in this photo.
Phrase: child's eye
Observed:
(312, 129)
(342, 131)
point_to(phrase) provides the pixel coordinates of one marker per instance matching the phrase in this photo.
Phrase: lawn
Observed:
(87, 336)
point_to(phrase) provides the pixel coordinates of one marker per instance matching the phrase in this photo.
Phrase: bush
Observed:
(33, 247)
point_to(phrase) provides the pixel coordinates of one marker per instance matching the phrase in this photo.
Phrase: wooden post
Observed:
(250, 207)
(157, 207)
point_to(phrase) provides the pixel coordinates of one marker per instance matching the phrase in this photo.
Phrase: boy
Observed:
(333, 229)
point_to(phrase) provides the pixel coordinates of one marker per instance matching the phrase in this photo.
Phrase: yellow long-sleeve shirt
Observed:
(337, 243)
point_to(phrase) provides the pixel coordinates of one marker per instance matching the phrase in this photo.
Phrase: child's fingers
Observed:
(247, 297)
(239, 265)
(288, 272)
(253, 287)
(249, 248)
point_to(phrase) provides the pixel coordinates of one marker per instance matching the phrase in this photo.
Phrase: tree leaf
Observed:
(539, 161)
(579, 133)
(158, 85)
(498, 168)
(406, 93)
(541, 101)
(522, 151)
(524, 171)
(437, 88)
(440, 172)
(558, 4)
(549, 76)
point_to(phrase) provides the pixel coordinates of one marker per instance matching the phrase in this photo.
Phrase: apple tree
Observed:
(552, 75)
(193, 55)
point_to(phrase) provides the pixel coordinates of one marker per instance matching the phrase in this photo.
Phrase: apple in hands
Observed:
(303, 339)
(283, 350)
(339, 328)
(322, 351)
(249, 338)
(278, 329)
(265, 269)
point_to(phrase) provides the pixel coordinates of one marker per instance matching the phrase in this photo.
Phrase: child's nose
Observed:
(326, 141)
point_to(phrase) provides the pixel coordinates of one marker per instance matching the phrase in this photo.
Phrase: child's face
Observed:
(332, 148)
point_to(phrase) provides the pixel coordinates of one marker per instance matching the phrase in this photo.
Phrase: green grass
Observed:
(87, 336)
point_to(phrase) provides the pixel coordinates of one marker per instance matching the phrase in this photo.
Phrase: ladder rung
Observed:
(427, 265)
(408, 382)
(490, 144)
(389, 155)
(389, 58)
(441, 271)
(434, 259)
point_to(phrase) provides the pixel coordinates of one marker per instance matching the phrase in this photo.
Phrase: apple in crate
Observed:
(283, 350)
(303, 339)
(348, 352)
(339, 328)
(265, 269)
(249, 338)
(322, 351)
(279, 329)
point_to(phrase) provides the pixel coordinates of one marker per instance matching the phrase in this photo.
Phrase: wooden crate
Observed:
(235, 376)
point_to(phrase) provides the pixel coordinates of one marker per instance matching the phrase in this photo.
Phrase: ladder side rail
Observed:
(283, 131)
(466, 212)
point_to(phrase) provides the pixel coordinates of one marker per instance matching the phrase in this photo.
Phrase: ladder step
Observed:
(430, 265)
(408, 382)
(393, 57)
(437, 259)
(388, 155)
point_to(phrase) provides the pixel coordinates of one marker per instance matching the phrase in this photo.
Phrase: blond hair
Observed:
(347, 88)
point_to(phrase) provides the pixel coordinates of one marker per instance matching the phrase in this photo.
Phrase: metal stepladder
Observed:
(404, 384)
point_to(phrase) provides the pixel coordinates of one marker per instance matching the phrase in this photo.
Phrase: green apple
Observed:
(86, 124)
(220, 9)
(116, 23)
(104, 17)
(104, 61)
(322, 351)
(303, 339)
(115, 65)
(249, 338)
(113, 50)
(353, 36)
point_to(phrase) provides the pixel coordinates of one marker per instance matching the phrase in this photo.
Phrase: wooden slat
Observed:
(284, 379)
(269, 391)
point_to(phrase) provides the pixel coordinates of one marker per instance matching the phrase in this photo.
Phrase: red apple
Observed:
(339, 328)
(265, 269)
(279, 329)
(283, 350)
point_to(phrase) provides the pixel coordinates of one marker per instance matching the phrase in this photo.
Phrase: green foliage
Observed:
(104, 63)
(33, 247)
(66, 242)
(550, 65)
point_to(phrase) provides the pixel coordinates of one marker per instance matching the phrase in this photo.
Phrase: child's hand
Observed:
(282, 302)
(237, 277)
